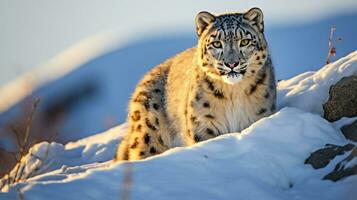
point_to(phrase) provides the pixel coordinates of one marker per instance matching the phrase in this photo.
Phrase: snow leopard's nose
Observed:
(231, 65)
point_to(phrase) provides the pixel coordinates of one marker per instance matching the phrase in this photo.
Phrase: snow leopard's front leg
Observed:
(201, 119)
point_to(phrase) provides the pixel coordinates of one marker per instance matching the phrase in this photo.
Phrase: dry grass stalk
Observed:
(23, 145)
(127, 182)
(331, 46)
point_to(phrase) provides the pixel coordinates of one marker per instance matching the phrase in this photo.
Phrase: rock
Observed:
(346, 167)
(350, 131)
(322, 157)
(343, 99)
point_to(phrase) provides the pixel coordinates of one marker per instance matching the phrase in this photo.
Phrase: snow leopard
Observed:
(223, 85)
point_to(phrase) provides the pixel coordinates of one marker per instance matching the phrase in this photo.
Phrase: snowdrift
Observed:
(265, 161)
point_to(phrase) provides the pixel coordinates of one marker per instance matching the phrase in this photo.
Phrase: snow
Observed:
(44, 157)
(309, 90)
(344, 121)
(351, 163)
(264, 161)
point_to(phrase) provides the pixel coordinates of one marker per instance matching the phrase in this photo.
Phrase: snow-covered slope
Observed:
(308, 91)
(265, 161)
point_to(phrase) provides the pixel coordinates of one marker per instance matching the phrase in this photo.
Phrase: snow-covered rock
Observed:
(265, 161)
(346, 167)
(308, 91)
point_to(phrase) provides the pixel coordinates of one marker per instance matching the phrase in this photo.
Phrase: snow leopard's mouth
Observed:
(233, 77)
(234, 74)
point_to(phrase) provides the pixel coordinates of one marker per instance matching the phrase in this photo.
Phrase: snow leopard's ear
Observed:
(203, 19)
(255, 18)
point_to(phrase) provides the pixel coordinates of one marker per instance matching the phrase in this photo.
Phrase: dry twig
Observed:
(127, 182)
(331, 46)
(23, 145)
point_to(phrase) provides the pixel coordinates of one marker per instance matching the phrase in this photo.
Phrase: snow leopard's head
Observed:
(231, 46)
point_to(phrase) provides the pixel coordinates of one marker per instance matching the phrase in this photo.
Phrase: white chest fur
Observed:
(237, 115)
(238, 110)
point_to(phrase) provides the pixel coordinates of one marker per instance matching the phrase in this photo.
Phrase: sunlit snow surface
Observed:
(308, 91)
(265, 161)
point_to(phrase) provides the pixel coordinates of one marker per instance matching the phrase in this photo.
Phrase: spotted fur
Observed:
(223, 85)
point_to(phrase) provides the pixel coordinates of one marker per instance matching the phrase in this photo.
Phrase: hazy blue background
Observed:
(33, 32)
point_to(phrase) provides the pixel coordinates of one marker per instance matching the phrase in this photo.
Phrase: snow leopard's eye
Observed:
(244, 42)
(217, 44)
